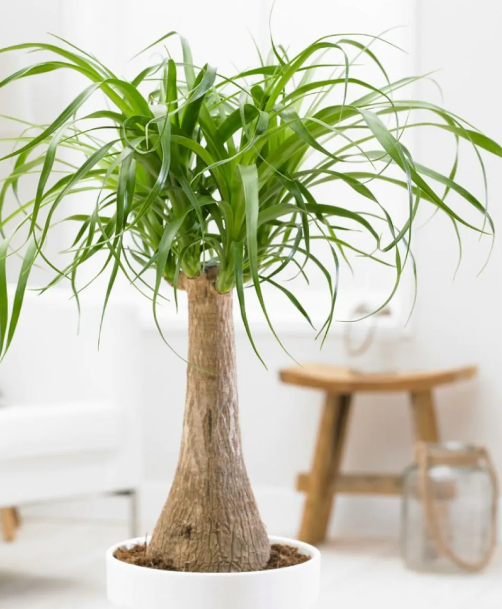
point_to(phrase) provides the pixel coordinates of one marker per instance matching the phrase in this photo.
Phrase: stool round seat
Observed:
(336, 379)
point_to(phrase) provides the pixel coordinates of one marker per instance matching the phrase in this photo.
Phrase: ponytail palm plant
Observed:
(210, 183)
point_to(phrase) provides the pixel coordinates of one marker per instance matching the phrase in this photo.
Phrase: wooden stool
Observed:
(339, 384)
(10, 521)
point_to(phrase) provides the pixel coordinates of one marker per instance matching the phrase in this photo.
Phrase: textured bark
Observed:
(210, 522)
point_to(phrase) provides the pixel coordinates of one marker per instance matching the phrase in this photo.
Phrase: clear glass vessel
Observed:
(449, 509)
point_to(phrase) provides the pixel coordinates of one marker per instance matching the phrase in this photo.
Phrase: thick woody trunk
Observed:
(210, 522)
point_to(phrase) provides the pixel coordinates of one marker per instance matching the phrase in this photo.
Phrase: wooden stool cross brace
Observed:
(10, 521)
(339, 384)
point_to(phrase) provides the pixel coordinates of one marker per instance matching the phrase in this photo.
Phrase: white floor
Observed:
(55, 565)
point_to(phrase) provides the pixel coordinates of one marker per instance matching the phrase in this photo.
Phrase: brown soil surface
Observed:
(280, 556)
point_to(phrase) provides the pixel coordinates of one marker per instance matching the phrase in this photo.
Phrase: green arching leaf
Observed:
(249, 176)
(367, 51)
(332, 288)
(192, 197)
(165, 245)
(172, 92)
(61, 120)
(320, 209)
(204, 155)
(480, 140)
(327, 325)
(93, 60)
(295, 302)
(28, 260)
(163, 174)
(295, 188)
(234, 123)
(400, 156)
(346, 177)
(292, 68)
(276, 211)
(451, 184)
(4, 295)
(133, 97)
(79, 61)
(291, 118)
(50, 157)
(114, 116)
(290, 257)
(154, 44)
(193, 105)
(239, 284)
(79, 175)
(144, 74)
(125, 191)
(188, 63)
(111, 283)
(41, 68)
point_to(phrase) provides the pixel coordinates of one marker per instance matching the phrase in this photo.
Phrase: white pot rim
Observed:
(303, 547)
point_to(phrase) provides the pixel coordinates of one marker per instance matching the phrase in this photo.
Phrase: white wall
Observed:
(460, 321)
(455, 322)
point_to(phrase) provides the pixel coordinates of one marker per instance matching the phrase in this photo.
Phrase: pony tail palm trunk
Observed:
(210, 522)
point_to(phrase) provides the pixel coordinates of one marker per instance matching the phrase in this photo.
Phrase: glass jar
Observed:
(449, 509)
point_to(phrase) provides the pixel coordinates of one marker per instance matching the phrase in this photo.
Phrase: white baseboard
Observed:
(280, 509)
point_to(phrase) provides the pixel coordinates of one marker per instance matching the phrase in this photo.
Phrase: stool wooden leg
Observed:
(9, 522)
(424, 417)
(17, 517)
(325, 467)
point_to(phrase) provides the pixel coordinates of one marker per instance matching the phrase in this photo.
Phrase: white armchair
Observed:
(70, 424)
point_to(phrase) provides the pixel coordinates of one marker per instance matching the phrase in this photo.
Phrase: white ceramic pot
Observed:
(135, 587)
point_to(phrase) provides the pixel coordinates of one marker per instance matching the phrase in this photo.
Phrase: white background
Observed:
(455, 322)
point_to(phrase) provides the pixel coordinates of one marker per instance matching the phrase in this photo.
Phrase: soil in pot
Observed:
(280, 556)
